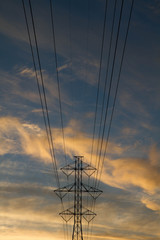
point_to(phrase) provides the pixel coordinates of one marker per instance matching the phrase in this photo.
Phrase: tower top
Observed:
(78, 156)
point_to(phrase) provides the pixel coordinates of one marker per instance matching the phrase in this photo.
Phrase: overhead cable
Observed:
(115, 97)
(43, 105)
(99, 77)
(57, 76)
(109, 91)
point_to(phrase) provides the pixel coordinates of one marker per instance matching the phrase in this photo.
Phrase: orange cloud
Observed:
(30, 216)
(50, 85)
(29, 139)
(22, 138)
(151, 204)
(127, 172)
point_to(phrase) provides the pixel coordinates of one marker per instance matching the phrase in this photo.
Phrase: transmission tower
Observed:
(78, 188)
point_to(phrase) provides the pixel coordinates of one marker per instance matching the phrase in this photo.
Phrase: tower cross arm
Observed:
(94, 192)
(61, 192)
(87, 214)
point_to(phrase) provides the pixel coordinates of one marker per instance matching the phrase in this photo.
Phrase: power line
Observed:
(47, 122)
(58, 85)
(98, 83)
(110, 86)
(99, 77)
(87, 39)
(43, 88)
(116, 92)
(106, 79)
(57, 75)
(43, 105)
(71, 62)
(119, 75)
(38, 85)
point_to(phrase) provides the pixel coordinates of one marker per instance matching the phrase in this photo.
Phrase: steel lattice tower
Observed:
(78, 188)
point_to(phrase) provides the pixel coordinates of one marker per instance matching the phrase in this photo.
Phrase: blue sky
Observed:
(129, 208)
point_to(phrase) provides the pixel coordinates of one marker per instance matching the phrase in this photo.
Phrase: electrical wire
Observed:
(57, 76)
(87, 40)
(99, 77)
(104, 91)
(109, 91)
(40, 95)
(108, 99)
(117, 86)
(71, 64)
(43, 90)
(43, 100)
(106, 81)
(47, 122)
(98, 88)
(116, 92)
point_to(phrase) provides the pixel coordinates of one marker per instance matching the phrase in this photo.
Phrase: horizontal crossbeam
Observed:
(87, 214)
(85, 167)
(94, 192)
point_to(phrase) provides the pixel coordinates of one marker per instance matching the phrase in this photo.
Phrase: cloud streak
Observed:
(29, 139)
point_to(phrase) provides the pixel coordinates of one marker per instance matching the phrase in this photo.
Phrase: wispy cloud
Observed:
(29, 139)
(151, 204)
(22, 138)
(130, 103)
(127, 172)
(50, 84)
(129, 131)
(121, 173)
(64, 66)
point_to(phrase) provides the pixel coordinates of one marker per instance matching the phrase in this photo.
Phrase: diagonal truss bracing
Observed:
(78, 211)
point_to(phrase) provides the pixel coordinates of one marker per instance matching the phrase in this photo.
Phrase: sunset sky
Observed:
(129, 208)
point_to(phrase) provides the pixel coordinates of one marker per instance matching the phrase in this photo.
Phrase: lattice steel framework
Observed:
(78, 188)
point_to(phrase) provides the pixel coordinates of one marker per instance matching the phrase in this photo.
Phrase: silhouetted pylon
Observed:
(78, 188)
